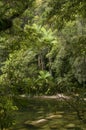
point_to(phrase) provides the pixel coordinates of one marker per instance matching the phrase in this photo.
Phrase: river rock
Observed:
(36, 123)
(69, 126)
(54, 116)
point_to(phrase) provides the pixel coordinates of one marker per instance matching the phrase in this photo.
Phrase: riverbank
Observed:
(58, 96)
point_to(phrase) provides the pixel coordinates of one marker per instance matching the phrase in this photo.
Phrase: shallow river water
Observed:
(46, 114)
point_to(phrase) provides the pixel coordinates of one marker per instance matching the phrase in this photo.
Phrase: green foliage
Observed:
(21, 67)
(7, 110)
(45, 83)
(56, 51)
(79, 69)
(60, 12)
(11, 10)
(17, 69)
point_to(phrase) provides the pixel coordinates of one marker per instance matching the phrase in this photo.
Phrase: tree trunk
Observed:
(50, 62)
(40, 62)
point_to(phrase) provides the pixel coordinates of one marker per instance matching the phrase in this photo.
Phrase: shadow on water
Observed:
(45, 114)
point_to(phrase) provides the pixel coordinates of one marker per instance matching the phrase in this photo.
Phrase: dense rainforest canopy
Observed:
(42, 49)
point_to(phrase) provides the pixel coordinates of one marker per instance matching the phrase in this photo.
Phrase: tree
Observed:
(63, 11)
(11, 10)
(7, 107)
